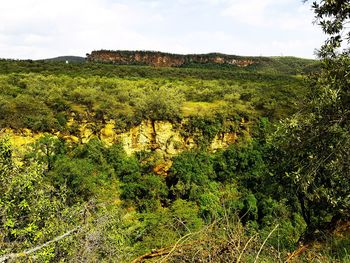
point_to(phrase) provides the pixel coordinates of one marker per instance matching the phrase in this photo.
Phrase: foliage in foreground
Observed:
(207, 203)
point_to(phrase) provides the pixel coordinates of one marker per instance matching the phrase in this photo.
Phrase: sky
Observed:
(35, 29)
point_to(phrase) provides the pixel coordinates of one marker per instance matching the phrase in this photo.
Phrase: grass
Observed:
(193, 108)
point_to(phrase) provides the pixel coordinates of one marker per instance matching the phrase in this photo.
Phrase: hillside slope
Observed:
(76, 59)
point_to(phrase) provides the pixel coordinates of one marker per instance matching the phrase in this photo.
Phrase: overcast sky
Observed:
(47, 28)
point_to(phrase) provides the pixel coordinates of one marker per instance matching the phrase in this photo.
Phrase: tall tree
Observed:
(315, 143)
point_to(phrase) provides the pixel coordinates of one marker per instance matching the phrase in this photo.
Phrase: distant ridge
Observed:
(75, 59)
(212, 61)
(160, 59)
(282, 64)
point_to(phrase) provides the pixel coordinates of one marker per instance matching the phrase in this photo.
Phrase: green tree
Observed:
(161, 104)
(80, 176)
(190, 175)
(32, 211)
(314, 145)
(146, 191)
(333, 17)
(167, 225)
(46, 150)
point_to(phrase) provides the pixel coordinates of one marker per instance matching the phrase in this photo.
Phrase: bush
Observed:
(147, 192)
(190, 173)
(161, 104)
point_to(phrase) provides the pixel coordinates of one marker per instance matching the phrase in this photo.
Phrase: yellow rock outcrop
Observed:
(160, 136)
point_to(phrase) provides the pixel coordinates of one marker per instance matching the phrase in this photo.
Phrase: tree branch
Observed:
(25, 253)
(257, 256)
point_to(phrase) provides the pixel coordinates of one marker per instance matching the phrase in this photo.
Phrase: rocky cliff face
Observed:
(160, 136)
(160, 59)
(163, 138)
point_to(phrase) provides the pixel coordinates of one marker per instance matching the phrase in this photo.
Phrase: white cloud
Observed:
(270, 14)
(55, 26)
(296, 47)
(47, 28)
(250, 12)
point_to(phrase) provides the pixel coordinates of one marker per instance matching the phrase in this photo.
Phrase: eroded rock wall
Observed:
(160, 59)
(161, 136)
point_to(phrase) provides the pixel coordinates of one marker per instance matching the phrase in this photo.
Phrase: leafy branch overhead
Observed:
(334, 18)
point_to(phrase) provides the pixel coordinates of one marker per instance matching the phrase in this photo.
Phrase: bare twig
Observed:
(25, 253)
(257, 256)
(245, 247)
(165, 251)
(174, 247)
(298, 252)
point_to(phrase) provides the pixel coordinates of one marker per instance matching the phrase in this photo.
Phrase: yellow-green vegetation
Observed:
(193, 108)
(284, 184)
(50, 100)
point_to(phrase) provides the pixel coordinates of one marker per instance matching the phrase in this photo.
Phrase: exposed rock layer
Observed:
(160, 59)
(161, 136)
